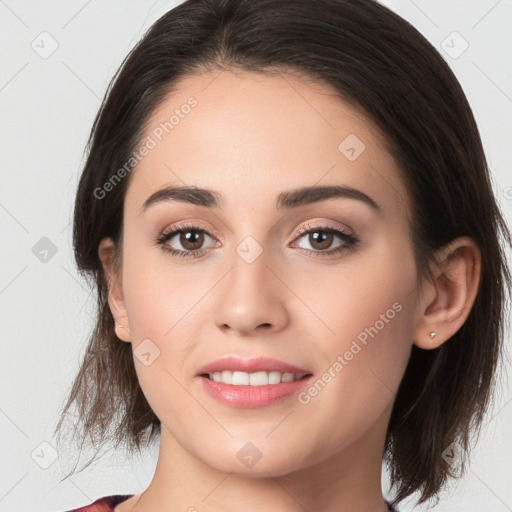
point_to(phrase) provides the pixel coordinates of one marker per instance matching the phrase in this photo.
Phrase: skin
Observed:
(250, 138)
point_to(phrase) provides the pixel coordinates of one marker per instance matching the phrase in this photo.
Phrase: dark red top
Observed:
(107, 504)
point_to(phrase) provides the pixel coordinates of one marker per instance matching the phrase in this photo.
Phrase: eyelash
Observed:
(349, 239)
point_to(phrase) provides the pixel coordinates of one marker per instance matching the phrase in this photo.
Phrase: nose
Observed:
(251, 297)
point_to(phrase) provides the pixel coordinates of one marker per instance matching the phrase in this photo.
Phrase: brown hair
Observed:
(381, 65)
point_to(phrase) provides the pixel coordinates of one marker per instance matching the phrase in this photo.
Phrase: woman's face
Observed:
(264, 276)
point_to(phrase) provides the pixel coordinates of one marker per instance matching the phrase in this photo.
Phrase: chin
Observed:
(248, 461)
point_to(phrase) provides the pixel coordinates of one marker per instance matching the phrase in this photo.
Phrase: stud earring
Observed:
(432, 334)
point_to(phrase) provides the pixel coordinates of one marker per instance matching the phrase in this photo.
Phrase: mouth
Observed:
(252, 383)
(253, 390)
(261, 378)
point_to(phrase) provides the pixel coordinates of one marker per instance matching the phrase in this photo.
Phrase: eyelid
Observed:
(323, 225)
(192, 225)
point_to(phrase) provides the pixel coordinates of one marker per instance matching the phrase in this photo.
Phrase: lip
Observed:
(260, 364)
(251, 397)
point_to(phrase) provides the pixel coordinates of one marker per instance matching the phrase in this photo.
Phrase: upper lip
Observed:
(260, 364)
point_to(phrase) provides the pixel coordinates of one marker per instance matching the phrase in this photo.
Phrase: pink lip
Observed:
(252, 397)
(260, 364)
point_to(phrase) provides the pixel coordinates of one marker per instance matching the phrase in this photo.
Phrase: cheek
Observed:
(158, 292)
(364, 331)
(369, 296)
(370, 312)
(161, 304)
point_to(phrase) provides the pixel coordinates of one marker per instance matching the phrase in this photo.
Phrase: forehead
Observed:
(253, 136)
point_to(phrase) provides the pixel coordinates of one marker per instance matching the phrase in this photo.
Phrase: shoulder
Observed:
(105, 504)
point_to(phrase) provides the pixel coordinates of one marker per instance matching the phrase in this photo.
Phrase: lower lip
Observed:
(252, 397)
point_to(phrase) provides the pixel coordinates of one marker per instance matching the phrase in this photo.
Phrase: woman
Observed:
(288, 215)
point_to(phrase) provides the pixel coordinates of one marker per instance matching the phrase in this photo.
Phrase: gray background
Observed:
(47, 105)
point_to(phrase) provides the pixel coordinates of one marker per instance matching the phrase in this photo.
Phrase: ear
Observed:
(106, 251)
(445, 303)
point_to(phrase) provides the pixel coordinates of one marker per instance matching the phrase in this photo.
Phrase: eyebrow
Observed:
(285, 200)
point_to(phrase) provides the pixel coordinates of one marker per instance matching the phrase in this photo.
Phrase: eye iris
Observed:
(323, 237)
(189, 239)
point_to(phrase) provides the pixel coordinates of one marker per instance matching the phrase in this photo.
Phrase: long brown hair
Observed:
(383, 66)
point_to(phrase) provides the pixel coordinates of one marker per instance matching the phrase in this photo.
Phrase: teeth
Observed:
(253, 379)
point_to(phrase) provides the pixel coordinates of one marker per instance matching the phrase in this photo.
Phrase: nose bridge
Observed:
(249, 268)
(250, 295)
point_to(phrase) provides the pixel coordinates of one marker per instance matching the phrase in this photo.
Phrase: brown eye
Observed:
(185, 241)
(191, 240)
(320, 240)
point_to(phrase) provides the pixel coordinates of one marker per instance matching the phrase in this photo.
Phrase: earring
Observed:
(119, 325)
(432, 334)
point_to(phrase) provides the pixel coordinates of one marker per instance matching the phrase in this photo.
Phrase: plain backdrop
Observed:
(49, 94)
